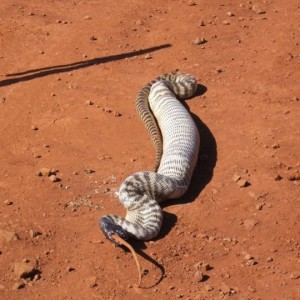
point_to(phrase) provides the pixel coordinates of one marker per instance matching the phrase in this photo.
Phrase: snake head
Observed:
(109, 229)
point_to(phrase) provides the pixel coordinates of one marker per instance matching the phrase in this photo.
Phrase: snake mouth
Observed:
(109, 229)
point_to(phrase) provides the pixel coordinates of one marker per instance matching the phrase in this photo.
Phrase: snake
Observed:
(177, 142)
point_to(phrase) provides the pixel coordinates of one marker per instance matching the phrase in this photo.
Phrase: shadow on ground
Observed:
(42, 72)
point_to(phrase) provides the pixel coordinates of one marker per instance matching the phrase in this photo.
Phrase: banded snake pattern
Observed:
(177, 141)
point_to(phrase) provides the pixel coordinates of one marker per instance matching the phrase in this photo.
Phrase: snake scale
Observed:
(177, 141)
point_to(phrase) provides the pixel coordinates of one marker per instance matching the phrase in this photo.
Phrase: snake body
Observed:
(142, 192)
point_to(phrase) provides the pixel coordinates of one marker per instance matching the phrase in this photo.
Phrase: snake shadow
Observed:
(14, 78)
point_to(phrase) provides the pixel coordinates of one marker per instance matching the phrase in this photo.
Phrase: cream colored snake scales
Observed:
(168, 121)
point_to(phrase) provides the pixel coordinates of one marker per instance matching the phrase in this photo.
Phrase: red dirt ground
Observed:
(70, 71)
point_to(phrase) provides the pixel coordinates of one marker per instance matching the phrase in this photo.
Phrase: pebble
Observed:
(25, 269)
(259, 206)
(53, 178)
(8, 202)
(139, 22)
(230, 14)
(117, 114)
(88, 171)
(243, 183)
(199, 41)
(191, 3)
(34, 127)
(18, 285)
(269, 259)
(92, 281)
(202, 23)
(250, 223)
(89, 102)
(70, 269)
(148, 56)
(198, 276)
(208, 287)
(34, 233)
(294, 177)
(250, 261)
(93, 38)
(225, 289)
(278, 177)
(225, 22)
(87, 18)
(107, 110)
(8, 236)
(258, 10)
(295, 276)
(236, 177)
(45, 171)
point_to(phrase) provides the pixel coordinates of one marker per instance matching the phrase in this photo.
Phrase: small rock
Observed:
(18, 285)
(34, 233)
(70, 269)
(236, 177)
(250, 223)
(208, 287)
(276, 146)
(259, 206)
(53, 178)
(230, 14)
(106, 190)
(92, 281)
(107, 110)
(117, 114)
(88, 171)
(202, 23)
(148, 56)
(191, 3)
(198, 276)
(45, 171)
(269, 259)
(139, 22)
(89, 102)
(93, 38)
(225, 289)
(295, 276)
(25, 269)
(34, 127)
(258, 10)
(225, 22)
(87, 18)
(8, 236)
(278, 177)
(294, 177)
(8, 202)
(243, 183)
(199, 41)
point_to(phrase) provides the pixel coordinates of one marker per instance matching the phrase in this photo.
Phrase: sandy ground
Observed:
(69, 75)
